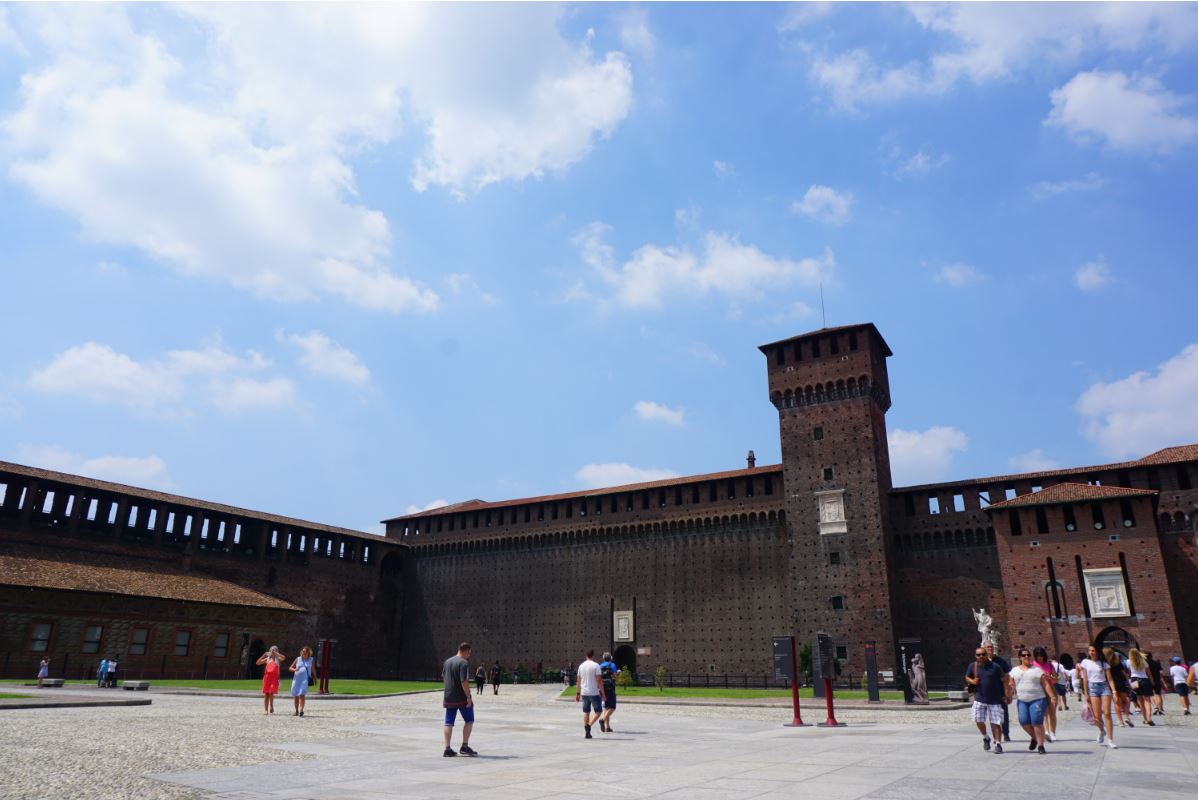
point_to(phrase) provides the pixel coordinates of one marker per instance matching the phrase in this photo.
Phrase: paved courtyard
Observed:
(532, 747)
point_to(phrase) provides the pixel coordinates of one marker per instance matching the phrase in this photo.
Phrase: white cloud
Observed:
(1122, 113)
(440, 502)
(165, 385)
(1145, 411)
(148, 472)
(924, 456)
(223, 148)
(1091, 181)
(1092, 276)
(701, 352)
(8, 37)
(825, 204)
(793, 312)
(635, 35)
(462, 284)
(649, 411)
(960, 275)
(322, 356)
(688, 218)
(723, 266)
(723, 169)
(597, 476)
(919, 164)
(985, 42)
(1033, 460)
(799, 15)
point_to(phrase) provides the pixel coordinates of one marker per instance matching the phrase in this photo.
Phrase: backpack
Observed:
(608, 673)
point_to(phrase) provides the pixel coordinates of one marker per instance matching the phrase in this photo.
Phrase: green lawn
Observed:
(14, 696)
(739, 694)
(346, 686)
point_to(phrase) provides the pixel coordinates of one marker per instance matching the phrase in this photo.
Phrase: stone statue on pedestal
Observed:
(917, 679)
(986, 627)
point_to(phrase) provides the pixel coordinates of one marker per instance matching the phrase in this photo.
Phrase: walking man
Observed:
(496, 674)
(458, 697)
(607, 674)
(112, 664)
(590, 692)
(992, 687)
(1006, 710)
(480, 678)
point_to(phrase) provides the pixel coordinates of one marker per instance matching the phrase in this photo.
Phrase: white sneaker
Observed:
(1112, 745)
(1050, 737)
(1101, 735)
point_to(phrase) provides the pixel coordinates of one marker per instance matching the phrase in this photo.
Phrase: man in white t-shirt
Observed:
(590, 692)
(1181, 679)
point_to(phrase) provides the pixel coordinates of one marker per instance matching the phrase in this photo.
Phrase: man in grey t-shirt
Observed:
(456, 673)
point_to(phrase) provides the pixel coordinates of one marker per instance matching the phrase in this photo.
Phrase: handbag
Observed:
(1087, 713)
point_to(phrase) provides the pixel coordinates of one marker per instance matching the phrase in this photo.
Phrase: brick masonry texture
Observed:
(712, 565)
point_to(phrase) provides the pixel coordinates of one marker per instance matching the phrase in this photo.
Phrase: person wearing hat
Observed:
(1181, 682)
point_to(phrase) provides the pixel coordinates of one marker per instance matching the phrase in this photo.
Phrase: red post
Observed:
(326, 664)
(797, 722)
(831, 722)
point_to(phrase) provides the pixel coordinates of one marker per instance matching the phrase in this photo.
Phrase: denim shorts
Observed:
(592, 702)
(1099, 690)
(452, 713)
(1032, 713)
(1060, 687)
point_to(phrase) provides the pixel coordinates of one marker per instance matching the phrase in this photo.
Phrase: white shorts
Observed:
(987, 713)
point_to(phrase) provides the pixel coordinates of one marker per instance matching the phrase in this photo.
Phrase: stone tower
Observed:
(832, 391)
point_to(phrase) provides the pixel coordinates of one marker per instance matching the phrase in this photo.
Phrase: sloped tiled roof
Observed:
(174, 499)
(869, 326)
(1169, 455)
(476, 505)
(1070, 493)
(91, 573)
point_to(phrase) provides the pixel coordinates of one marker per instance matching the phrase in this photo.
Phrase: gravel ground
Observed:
(102, 753)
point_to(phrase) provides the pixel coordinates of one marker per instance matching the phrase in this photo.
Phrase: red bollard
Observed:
(797, 722)
(831, 721)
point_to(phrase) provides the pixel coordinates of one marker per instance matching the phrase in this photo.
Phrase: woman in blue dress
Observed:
(303, 673)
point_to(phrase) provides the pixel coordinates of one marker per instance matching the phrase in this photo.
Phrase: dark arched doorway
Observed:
(625, 657)
(390, 603)
(1117, 639)
(257, 648)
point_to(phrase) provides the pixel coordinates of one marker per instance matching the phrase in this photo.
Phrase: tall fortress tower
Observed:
(832, 392)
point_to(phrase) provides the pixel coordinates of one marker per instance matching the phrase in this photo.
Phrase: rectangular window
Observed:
(1070, 520)
(615, 499)
(909, 505)
(834, 557)
(540, 513)
(569, 504)
(1009, 493)
(138, 641)
(933, 504)
(958, 502)
(1096, 513)
(222, 645)
(838, 603)
(1183, 478)
(842, 652)
(852, 340)
(711, 492)
(780, 355)
(983, 498)
(815, 348)
(40, 639)
(644, 501)
(798, 351)
(731, 490)
(474, 520)
(661, 498)
(1041, 520)
(1154, 478)
(695, 493)
(769, 484)
(834, 344)
(748, 487)
(1129, 519)
(553, 510)
(817, 433)
(827, 473)
(92, 635)
(678, 495)
(1016, 523)
(182, 642)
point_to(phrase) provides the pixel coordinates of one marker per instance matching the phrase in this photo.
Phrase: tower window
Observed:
(909, 505)
(798, 351)
(780, 355)
(958, 502)
(852, 340)
(553, 510)
(1070, 520)
(678, 496)
(1183, 478)
(711, 492)
(569, 508)
(661, 498)
(933, 504)
(815, 348)
(731, 490)
(1016, 524)
(1129, 519)
(984, 498)
(817, 433)
(827, 473)
(769, 484)
(842, 652)
(1041, 520)
(644, 501)
(1009, 493)
(834, 557)
(748, 487)
(695, 493)
(834, 344)
(838, 603)
(1099, 519)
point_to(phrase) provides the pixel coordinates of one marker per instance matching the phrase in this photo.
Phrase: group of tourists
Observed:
(106, 673)
(1111, 684)
(596, 692)
(303, 673)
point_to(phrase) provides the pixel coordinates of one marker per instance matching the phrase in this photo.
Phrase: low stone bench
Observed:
(959, 697)
(51, 683)
(140, 686)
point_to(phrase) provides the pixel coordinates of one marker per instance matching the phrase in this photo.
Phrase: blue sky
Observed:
(342, 261)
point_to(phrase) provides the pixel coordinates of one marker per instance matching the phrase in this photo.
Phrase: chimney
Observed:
(752, 459)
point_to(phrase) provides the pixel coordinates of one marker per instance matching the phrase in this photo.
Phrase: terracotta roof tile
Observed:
(85, 572)
(475, 505)
(174, 499)
(869, 326)
(1070, 493)
(1169, 455)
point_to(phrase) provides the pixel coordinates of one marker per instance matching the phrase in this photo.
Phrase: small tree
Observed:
(659, 678)
(624, 678)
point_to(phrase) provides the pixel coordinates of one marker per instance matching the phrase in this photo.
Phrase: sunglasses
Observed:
(1025, 655)
(978, 655)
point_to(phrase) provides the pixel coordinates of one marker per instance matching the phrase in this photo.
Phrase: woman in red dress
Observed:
(270, 677)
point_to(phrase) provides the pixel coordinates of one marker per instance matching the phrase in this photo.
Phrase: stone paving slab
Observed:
(532, 750)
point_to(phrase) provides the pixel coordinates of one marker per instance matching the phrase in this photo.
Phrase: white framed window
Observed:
(92, 635)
